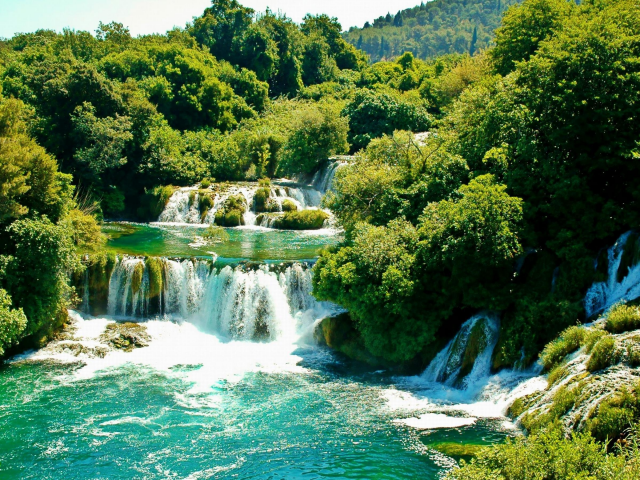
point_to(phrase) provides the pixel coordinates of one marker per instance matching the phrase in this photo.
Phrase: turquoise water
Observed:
(134, 421)
(192, 405)
(243, 244)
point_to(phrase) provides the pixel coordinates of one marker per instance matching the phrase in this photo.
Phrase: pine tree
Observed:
(474, 40)
(397, 20)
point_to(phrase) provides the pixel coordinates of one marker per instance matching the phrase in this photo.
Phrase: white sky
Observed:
(158, 16)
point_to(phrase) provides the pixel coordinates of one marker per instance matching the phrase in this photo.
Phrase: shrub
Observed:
(603, 354)
(264, 182)
(591, 338)
(623, 318)
(302, 220)
(260, 199)
(12, 322)
(206, 183)
(568, 341)
(289, 206)
(615, 415)
(548, 454)
(232, 214)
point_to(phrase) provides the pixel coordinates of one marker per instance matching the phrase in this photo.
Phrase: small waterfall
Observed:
(182, 208)
(239, 303)
(466, 360)
(323, 179)
(184, 204)
(603, 295)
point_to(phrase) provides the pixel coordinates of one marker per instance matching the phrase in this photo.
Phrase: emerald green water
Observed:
(136, 422)
(192, 405)
(243, 244)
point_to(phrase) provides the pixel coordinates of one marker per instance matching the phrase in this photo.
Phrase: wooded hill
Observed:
(431, 29)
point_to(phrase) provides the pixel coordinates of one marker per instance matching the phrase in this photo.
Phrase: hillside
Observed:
(431, 29)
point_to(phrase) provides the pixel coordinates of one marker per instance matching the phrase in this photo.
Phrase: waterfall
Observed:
(466, 360)
(184, 204)
(260, 303)
(182, 208)
(323, 179)
(603, 295)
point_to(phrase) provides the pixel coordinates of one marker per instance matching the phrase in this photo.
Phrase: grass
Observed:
(569, 341)
(622, 318)
(603, 354)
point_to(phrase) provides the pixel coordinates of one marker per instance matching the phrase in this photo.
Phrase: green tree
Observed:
(524, 27)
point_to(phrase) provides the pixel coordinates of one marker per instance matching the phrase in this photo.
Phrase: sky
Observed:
(158, 16)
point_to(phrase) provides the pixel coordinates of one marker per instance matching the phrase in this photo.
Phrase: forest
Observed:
(524, 171)
(431, 29)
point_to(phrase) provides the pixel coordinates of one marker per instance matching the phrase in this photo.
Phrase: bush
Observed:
(154, 201)
(289, 206)
(548, 455)
(302, 220)
(12, 323)
(615, 415)
(623, 318)
(568, 341)
(216, 235)
(232, 213)
(260, 199)
(603, 354)
(206, 183)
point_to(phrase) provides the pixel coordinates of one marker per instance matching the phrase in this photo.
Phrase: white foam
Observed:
(432, 421)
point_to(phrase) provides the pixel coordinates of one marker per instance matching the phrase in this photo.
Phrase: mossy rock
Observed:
(339, 334)
(260, 199)
(205, 203)
(126, 336)
(232, 213)
(476, 343)
(302, 220)
(155, 270)
(456, 450)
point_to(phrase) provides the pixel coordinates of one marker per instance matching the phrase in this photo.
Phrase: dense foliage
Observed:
(533, 158)
(431, 29)
(549, 454)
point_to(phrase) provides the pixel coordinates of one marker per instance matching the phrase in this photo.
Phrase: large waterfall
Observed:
(252, 302)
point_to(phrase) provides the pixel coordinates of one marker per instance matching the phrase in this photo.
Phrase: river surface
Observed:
(251, 243)
(191, 406)
(201, 401)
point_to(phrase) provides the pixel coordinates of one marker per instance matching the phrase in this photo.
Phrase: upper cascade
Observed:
(265, 302)
(622, 266)
(187, 205)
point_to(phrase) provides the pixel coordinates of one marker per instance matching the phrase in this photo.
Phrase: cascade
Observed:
(323, 179)
(619, 285)
(184, 204)
(243, 303)
(466, 360)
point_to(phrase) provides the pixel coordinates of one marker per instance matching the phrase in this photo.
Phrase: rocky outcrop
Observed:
(126, 336)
